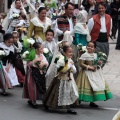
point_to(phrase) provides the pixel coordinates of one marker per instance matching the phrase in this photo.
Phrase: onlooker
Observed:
(66, 21)
(100, 26)
(118, 38)
(114, 14)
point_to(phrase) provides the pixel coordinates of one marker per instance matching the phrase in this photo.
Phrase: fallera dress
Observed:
(62, 90)
(91, 84)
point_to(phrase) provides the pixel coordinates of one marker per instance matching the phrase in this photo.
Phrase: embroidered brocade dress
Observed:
(35, 84)
(62, 91)
(91, 85)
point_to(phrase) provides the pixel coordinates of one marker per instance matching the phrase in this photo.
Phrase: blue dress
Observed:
(80, 38)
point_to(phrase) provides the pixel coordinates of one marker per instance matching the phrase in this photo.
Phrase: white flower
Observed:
(15, 15)
(45, 50)
(2, 53)
(61, 57)
(84, 48)
(60, 62)
(54, 14)
(31, 41)
(24, 54)
(104, 54)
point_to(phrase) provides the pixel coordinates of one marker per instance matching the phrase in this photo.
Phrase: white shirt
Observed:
(103, 24)
(74, 1)
(71, 24)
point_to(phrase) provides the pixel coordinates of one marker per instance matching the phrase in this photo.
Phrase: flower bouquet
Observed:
(2, 54)
(82, 49)
(47, 53)
(100, 57)
(43, 69)
(60, 62)
(28, 51)
(15, 16)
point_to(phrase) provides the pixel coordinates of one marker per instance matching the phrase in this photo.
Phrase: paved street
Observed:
(13, 107)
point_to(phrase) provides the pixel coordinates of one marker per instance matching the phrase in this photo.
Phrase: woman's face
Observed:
(18, 4)
(37, 5)
(42, 14)
(101, 10)
(9, 42)
(69, 52)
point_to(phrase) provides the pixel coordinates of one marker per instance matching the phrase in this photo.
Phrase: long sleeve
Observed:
(90, 24)
(82, 64)
(73, 69)
(30, 30)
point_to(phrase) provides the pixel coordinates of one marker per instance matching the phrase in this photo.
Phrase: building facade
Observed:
(5, 5)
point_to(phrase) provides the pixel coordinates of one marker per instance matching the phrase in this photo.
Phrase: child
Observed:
(62, 90)
(21, 26)
(52, 70)
(9, 60)
(19, 67)
(48, 13)
(4, 82)
(50, 44)
(22, 20)
(35, 85)
(90, 81)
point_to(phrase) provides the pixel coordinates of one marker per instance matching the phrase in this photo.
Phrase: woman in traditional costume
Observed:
(90, 81)
(11, 19)
(62, 90)
(35, 84)
(81, 36)
(39, 25)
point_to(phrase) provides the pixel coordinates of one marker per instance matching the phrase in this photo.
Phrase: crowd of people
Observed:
(56, 50)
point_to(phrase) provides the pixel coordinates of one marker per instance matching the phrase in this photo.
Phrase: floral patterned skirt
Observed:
(60, 93)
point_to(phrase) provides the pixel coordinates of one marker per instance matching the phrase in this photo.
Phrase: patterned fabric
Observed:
(39, 79)
(62, 90)
(63, 24)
